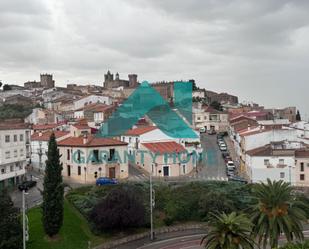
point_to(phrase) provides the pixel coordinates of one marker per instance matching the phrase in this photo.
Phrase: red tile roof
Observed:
(81, 126)
(302, 153)
(164, 147)
(13, 126)
(44, 127)
(92, 141)
(46, 135)
(140, 130)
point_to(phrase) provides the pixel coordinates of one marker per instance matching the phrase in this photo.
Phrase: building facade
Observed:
(14, 152)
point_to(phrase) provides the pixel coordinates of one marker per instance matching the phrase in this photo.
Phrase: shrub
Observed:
(122, 208)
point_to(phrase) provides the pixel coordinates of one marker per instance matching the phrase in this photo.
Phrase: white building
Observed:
(91, 99)
(39, 147)
(209, 118)
(14, 151)
(271, 162)
(135, 137)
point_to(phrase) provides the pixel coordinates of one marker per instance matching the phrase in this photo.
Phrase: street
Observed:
(33, 196)
(214, 168)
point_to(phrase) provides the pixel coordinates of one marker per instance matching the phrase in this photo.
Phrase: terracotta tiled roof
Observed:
(91, 142)
(140, 130)
(302, 153)
(46, 135)
(164, 147)
(13, 126)
(44, 127)
(81, 126)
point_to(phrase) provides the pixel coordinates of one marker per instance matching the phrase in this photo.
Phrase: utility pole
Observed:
(24, 219)
(152, 203)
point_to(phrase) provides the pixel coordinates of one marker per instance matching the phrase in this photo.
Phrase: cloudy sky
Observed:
(258, 50)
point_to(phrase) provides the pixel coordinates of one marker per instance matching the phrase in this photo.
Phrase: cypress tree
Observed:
(10, 224)
(53, 190)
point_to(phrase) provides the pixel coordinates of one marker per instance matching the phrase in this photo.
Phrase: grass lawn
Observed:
(74, 233)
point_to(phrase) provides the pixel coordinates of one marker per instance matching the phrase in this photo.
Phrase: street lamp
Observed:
(152, 204)
(25, 219)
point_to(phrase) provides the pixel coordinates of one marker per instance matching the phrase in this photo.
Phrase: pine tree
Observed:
(10, 225)
(53, 190)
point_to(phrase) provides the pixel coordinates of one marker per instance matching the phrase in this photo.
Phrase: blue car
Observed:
(106, 181)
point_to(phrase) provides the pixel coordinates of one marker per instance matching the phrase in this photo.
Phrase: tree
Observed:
(0, 84)
(10, 227)
(214, 200)
(229, 231)
(122, 208)
(298, 117)
(53, 190)
(7, 87)
(276, 211)
(216, 105)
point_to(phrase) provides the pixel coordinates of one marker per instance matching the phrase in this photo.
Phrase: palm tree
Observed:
(276, 211)
(229, 231)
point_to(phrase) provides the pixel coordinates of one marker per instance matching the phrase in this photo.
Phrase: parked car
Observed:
(222, 147)
(202, 130)
(106, 181)
(230, 172)
(26, 185)
(227, 158)
(219, 136)
(230, 164)
(225, 155)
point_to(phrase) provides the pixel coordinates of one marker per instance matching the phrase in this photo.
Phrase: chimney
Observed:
(85, 139)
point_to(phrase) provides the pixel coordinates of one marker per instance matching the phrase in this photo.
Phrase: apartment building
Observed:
(14, 152)
(302, 168)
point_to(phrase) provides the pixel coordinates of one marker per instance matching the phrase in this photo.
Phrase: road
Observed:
(33, 196)
(215, 165)
(182, 241)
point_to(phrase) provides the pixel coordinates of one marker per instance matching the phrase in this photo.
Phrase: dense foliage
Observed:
(277, 212)
(229, 231)
(121, 209)
(304, 245)
(53, 190)
(173, 202)
(10, 227)
(14, 111)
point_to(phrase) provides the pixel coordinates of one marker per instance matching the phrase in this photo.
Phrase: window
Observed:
(21, 137)
(111, 154)
(281, 161)
(21, 152)
(3, 171)
(15, 138)
(205, 117)
(184, 169)
(11, 168)
(7, 138)
(15, 153)
(282, 175)
(95, 156)
(7, 155)
(198, 118)
(266, 161)
(79, 170)
(129, 139)
(68, 154)
(78, 155)
(302, 177)
(302, 168)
